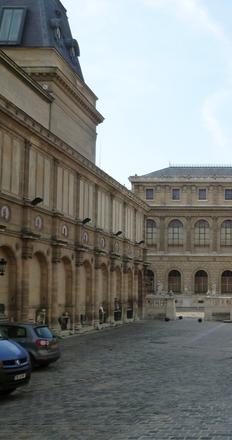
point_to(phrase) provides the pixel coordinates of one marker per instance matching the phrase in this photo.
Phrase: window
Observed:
(11, 25)
(202, 194)
(149, 194)
(176, 194)
(201, 233)
(175, 233)
(151, 232)
(228, 194)
(201, 282)
(226, 282)
(226, 233)
(174, 281)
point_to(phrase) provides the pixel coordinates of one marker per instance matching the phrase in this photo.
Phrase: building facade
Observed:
(188, 231)
(71, 236)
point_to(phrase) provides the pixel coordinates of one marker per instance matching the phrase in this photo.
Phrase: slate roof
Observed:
(42, 19)
(191, 172)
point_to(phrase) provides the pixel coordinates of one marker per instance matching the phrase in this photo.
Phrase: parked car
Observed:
(15, 366)
(37, 339)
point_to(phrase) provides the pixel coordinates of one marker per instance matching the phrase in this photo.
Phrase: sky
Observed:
(162, 72)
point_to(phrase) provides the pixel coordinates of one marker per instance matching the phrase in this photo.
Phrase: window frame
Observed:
(151, 232)
(202, 233)
(226, 233)
(199, 194)
(16, 41)
(175, 233)
(146, 193)
(230, 192)
(174, 197)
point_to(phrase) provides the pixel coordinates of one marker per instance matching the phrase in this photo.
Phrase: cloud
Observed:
(190, 11)
(210, 119)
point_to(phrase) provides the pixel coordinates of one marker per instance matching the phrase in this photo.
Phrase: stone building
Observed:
(188, 231)
(71, 236)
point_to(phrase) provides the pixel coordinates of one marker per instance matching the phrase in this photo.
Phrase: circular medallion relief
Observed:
(38, 222)
(85, 237)
(5, 213)
(102, 242)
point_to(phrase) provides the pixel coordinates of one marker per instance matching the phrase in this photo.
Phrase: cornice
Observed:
(54, 74)
(187, 208)
(48, 137)
(23, 76)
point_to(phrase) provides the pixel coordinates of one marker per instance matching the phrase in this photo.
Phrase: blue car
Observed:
(15, 367)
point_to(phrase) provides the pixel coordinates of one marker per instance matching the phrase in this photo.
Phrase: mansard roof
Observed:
(43, 23)
(175, 172)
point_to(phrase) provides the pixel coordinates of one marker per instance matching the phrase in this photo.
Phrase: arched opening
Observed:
(174, 281)
(118, 293)
(201, 282)
(64, 293)
(38, 288)
(104, 302)
(87, 318)
(9, 301)
(129, 295)
(226, 282)
(140, 295)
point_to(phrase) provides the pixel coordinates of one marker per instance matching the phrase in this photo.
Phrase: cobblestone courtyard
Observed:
(143, 381)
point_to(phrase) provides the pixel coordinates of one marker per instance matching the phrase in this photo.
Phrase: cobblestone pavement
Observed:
(144, 381)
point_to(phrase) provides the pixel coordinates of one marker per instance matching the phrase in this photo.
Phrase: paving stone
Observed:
(144, 381)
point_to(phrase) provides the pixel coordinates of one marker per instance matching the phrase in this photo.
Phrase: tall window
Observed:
(201, 233)
(11, 25)
(228, 194)
(175, 233)
(149, 194)
(226, 282)
(176, 194)
(202, 194)
(174, 281)
(151, 232)
(201, 282)
(226, 233)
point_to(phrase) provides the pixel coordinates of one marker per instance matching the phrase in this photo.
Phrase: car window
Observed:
(14, 332)
(43, 332)
(3, 333)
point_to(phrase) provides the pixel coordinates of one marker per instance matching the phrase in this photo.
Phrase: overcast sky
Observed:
(162, 70)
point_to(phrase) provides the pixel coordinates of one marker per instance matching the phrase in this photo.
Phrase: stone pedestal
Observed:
(170, 309)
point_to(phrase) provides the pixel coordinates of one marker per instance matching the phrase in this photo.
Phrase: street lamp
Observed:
(36, 201)
(3, 264)
(86, 220)
(118, 233)
(140, 242)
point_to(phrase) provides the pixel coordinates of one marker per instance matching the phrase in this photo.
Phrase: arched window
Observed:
(174, 281)
(175, 233)
(226, 233)
(201, 233)
(149, 280)
(226, 282)
(201, 282)
(151, 232)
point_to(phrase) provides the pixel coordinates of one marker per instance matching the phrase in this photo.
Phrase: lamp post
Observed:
(3, 264)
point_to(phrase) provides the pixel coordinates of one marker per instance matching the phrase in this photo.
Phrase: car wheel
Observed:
(6, 392)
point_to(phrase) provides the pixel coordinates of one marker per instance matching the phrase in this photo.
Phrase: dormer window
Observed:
(11, 25)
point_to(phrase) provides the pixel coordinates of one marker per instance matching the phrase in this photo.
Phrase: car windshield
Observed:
(43, 332)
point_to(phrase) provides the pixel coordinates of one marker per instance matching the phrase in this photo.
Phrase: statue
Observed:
(159, 288)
